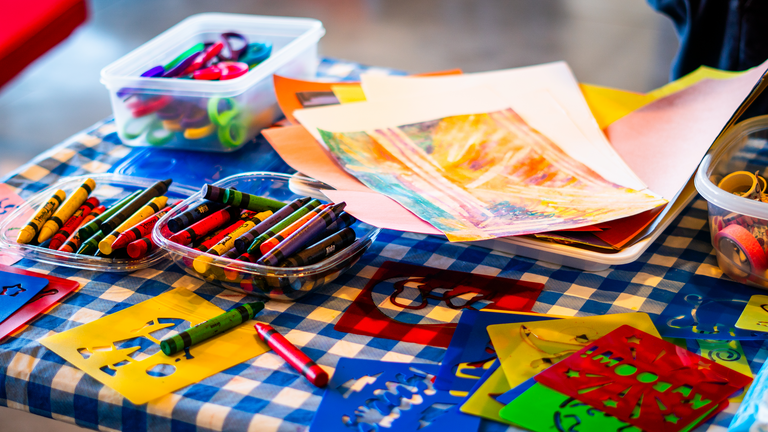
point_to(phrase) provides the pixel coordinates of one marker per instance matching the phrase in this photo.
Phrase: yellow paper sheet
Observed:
(348, 93)
(95, 348)
(526, 349)
(755, 315)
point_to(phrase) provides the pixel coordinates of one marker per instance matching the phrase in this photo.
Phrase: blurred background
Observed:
(622, 44)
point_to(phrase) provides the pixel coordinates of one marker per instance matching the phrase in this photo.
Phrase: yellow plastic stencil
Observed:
(729, 354)
(526, 349)
(122, 350)
(755, 315)
(482, 403)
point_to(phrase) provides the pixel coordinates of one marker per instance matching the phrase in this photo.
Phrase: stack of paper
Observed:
(506, 153)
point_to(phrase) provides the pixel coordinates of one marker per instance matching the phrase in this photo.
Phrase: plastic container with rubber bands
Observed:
(739, 224)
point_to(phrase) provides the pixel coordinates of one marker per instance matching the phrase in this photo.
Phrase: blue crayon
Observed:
(296, 241)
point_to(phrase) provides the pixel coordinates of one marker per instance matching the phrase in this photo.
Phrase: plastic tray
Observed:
(278, 283)
(109, 189)
(744, 149)
(294, 55)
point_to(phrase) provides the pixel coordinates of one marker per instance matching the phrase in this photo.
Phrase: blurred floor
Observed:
(622, 44)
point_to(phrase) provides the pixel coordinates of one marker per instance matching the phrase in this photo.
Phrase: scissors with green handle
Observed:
(225, 114)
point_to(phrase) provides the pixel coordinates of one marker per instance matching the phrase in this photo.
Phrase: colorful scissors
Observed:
(224, 113)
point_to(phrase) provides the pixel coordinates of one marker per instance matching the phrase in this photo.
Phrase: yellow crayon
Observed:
(152, 207)
(202, 263)
(66, 210)
(28, 233)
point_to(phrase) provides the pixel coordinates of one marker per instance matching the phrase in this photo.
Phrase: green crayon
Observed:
(89, 229)
(92, 244)
(254, 250)
(208, 329)
(235, 198)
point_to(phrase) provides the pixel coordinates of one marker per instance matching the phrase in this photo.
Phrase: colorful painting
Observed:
(483, 176)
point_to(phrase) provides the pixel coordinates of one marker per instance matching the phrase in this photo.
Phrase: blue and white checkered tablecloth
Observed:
(264, 393)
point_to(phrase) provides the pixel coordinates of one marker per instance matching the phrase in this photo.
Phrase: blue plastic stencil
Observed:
(371, 395)
(703, 309)
(16, 290)
(471, 348)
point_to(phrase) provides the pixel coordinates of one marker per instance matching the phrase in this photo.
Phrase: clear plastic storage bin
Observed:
(738, 225)
(236, 109)
(110, 188)
(278, 283)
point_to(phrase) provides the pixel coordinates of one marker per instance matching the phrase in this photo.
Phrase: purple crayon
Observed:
(296, 241)
(244, 241)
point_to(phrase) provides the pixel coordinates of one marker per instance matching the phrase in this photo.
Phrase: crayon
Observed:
(91, 245)
(201, 264)
(46, 244)
(297, 240)
(30, 230)
(322, 249)
(246, 257)
(208, 329)
(66, 210)
(156, 190)
(236, 198)
(89, 229)
(206, 225)
(141, 229)
(141, 247)
(215, 237)
(290, 229)
(253, 249)
(73, 242)
(74, 222)
(152, 207)
(291, 354)
(244, 241)
(193, 214)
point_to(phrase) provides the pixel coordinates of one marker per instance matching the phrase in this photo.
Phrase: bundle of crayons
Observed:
(80, 224)
(236, 225)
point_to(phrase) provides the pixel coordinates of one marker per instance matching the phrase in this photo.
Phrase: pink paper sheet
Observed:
(9, 201)
(663, 142)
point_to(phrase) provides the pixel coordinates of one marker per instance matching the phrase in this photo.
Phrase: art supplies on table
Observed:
(418, 304)
(293, 355)
(50, 295)
(373, 395)
(122, 350)
(224, 250)
(82, 231)
(16, 290)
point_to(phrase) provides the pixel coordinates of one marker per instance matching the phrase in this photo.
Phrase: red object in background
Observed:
(29, 29)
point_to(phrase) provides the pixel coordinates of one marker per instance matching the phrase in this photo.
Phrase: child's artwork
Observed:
(703, 310)
(483, 176)
(418, 304)
(122, 350)
(16, 290)
(471, 352)
(525, 349)
(644, 380)
(56, 289)
(371, 395)
(755, 314)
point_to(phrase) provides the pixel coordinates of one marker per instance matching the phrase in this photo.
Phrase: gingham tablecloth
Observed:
(264, 393)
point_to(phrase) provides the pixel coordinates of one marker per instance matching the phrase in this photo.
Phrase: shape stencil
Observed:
(643, 380)
(371, 395)
(420, 304)
(122, 350)
(16, 290)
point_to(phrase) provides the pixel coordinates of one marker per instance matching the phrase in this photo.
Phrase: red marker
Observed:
(311, 371)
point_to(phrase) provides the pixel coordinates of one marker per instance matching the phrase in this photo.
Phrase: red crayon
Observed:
(74, 241)
(141, 229)
(205, 225)
(208, 243)
(290, 229)
(309, 369)
(141, 247)
(73, 223)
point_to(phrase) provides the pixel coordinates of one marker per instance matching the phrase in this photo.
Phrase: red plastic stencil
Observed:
(56, 289)
(413, 303)
(643, 380)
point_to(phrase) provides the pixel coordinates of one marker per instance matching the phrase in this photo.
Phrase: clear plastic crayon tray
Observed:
(278, 283)
(110, 188)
